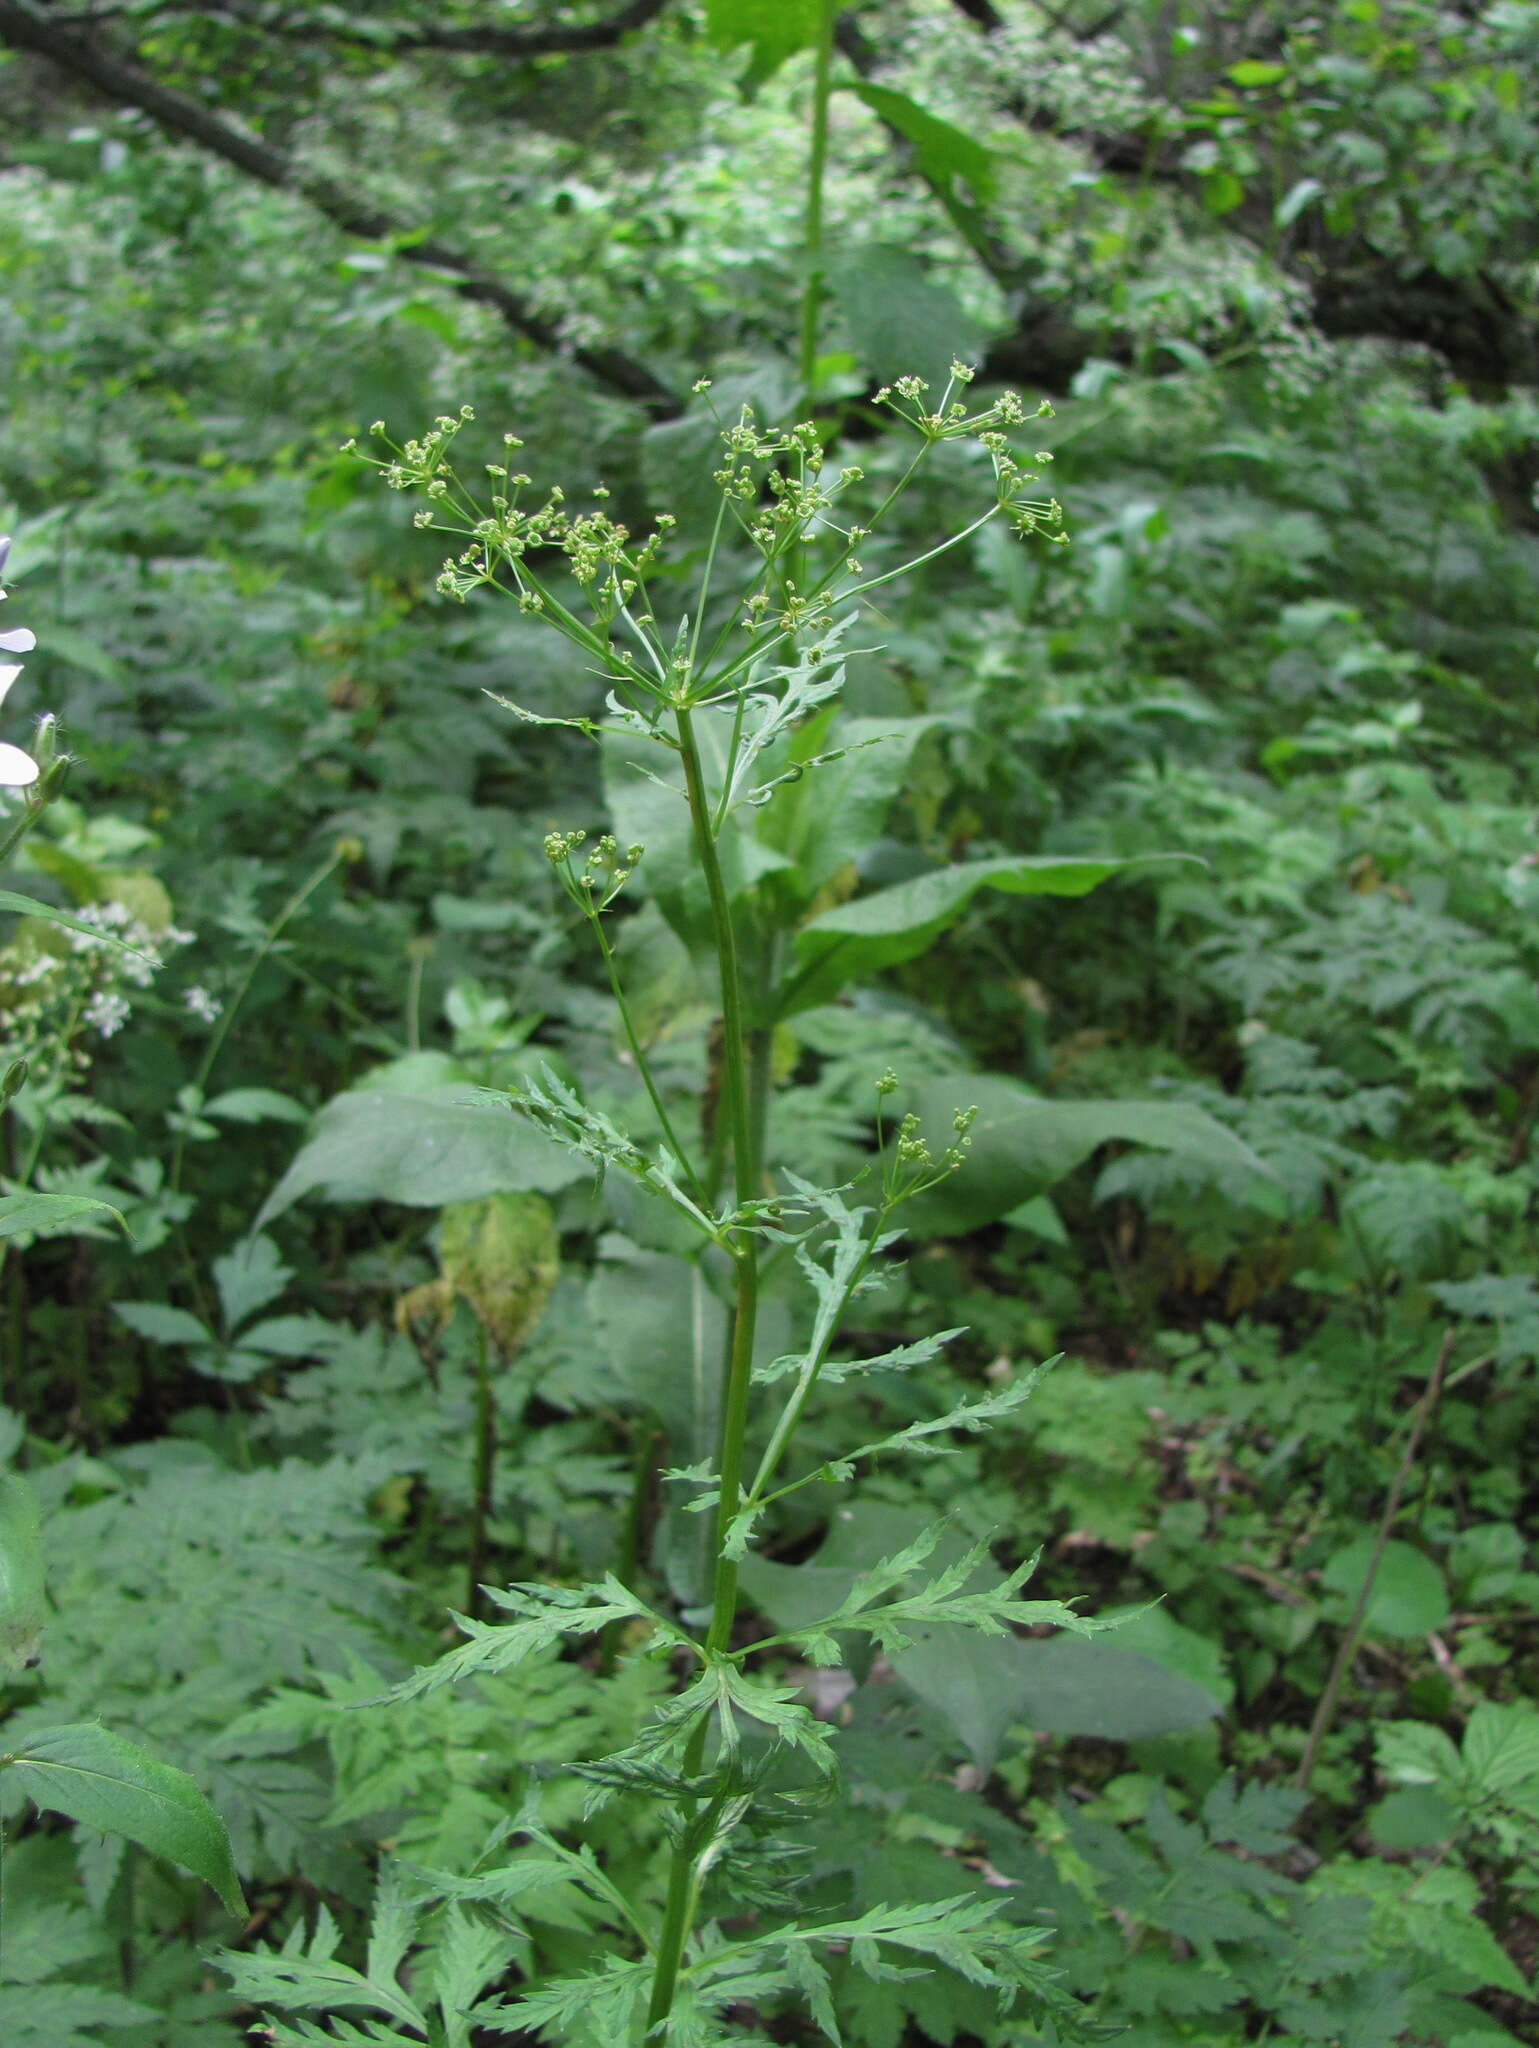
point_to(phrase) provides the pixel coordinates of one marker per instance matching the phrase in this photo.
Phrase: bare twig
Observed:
(23, 28)
(389, 41)
(1325, 1712)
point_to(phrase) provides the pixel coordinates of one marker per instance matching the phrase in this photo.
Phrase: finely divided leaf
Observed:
(546, 1614)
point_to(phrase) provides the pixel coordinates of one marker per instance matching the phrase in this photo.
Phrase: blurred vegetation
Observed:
(1277, 268)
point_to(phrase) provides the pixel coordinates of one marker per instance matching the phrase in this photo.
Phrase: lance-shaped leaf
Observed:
(855, 940)
(28, 906)
(54, 1214)
(942, 153)
(91, 1775)
(21, 1575)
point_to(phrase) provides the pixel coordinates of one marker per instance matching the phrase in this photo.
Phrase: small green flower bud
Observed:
(12, 1081)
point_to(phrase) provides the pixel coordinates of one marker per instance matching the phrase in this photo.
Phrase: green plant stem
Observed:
(812, 238)
(734, 1429)
(1325, 1712)
(734, 1034)
(19, 831)
(638, 1054)
(643, 1465)
(221, 1031)
(485, 1470)
(683, 1876)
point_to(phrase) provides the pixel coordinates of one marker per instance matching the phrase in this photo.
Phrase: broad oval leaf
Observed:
(89, 1774)
(900, 319)
(1024, 1144)
(21, 1574)
(423, 1151)
(1408, 1597)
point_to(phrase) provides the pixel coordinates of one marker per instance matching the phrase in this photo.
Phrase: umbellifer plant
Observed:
(759, 798)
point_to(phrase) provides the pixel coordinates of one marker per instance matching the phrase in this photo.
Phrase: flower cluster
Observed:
(602, 876)
(774, 491)
(505, 533)
(18, 770)
(56, 981)
(950, 420)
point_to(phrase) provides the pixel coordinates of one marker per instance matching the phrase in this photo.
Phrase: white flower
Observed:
(202, 1003)
(17, 770)
(106, 1013)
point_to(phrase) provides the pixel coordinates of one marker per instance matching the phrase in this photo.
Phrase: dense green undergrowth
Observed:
(1253, 1148)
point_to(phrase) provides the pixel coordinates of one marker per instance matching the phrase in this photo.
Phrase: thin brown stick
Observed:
(515, 43)
(23, 28)
(1325, 1712)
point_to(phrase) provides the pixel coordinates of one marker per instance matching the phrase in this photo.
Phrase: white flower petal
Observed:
(20, 640)
(16, 768)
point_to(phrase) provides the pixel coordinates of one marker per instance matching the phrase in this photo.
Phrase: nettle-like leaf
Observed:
(1255, 1817)
(92, 1775)
(545, 1615)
